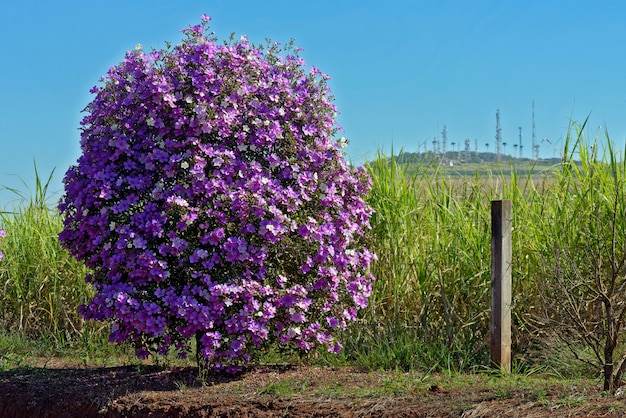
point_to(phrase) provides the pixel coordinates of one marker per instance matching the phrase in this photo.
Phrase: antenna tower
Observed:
(535, 146)
(444, 140)
(536, 149)
(520, 142)
(498, 134)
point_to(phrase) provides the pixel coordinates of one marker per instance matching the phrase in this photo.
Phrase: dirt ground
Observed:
(58, 389)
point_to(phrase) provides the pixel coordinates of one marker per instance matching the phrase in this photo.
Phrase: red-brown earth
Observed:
(64, 389)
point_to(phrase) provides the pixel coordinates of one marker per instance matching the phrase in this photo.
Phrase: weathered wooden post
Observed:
(501, 255)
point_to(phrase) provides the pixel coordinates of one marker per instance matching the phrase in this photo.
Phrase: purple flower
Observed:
(236, 249)
(211, 199)
(332, 322)
(271, 230)
(297, 317)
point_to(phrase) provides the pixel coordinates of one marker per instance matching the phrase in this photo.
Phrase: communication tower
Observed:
(444, 140)
(498, 135)
(535, 146)
(520, 142)
(536, 149)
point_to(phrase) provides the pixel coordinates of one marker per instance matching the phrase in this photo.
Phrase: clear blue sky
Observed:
(400, 69)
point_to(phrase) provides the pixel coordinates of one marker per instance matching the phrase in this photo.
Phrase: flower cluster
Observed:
(211, 201)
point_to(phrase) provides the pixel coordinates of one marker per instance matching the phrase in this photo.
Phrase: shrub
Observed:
(585, 250)
(210, 201)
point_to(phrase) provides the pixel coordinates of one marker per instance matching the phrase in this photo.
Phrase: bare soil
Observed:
(62, 389)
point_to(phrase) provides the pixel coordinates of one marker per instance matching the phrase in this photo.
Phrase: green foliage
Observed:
(42, 285)
(585, 249)
(429, 308)
(431, 233)
(430, 305)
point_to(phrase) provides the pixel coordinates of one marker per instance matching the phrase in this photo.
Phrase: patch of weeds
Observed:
(182, 385)
(10, 361)
(393, 386)
(502, 394)
(398, 384)
(606, 394)
(613, 409)
(336, 390)
(519, 367)
(540, 393)
(282, 388)
(567, 362)
(571, 401)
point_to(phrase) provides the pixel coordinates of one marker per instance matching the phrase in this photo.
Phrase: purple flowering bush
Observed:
(211, 201)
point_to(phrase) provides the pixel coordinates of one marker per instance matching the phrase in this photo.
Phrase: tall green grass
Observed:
(42, 286)
(431, 230)
(587, 240)
(430, 304)
(432, 255)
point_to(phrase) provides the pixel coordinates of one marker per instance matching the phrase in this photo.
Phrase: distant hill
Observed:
(462, 157)
(470, 163)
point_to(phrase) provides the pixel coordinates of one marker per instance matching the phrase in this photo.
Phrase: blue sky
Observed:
(400, 70)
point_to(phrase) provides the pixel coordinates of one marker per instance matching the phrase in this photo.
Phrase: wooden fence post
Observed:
(501, 254)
